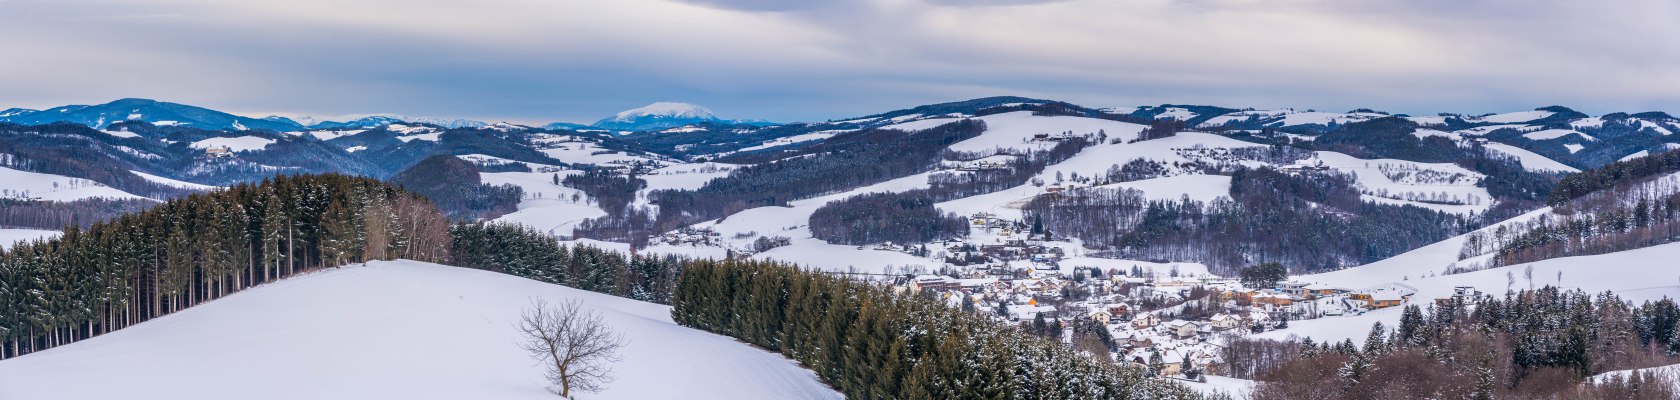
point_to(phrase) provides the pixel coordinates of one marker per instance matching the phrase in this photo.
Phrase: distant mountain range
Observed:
(656, 116)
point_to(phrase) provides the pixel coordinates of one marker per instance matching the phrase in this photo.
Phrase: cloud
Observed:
(542, 60)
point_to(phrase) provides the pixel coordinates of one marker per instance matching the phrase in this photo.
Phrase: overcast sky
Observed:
(794, 60)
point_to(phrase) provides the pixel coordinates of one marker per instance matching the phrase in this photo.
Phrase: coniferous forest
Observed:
(201, 247)
(1531, 344)
(870, 342)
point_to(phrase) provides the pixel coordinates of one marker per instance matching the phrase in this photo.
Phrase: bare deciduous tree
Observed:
(574, 344)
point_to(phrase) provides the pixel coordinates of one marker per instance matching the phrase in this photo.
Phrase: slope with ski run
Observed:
(398, 329)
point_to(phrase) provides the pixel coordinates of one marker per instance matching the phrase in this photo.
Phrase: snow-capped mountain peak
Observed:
(665, 109)
(656, 116)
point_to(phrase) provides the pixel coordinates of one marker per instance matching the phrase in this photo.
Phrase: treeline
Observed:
(910, 217)
(846, 161)
(1612, 175)
(612, 192)
(1636, 214)
(883, 217)
(77, 151)
(55, 215)
(521, 251)
(1312, 223)
(1533, 344)
(869, 342)
(201, 247)
(456, 187)
(1517, 189)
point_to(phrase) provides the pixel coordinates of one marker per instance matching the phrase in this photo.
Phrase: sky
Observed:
(535, 61)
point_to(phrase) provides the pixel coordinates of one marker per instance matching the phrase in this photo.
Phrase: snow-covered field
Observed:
(174, 182)
(1203, 188)
(392, 330)
(49, 187)
(1635, 275)
(242, 143)
(1672, 372)
(1531, 160)
(9, 237)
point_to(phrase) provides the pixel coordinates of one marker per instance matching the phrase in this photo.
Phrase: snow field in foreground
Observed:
(397, 330)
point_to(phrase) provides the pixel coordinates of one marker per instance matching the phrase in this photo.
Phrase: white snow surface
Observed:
(392, 330)
(1638, 154)
(1203, 188)
(1556, 133)
(1236, 387)
(1514, 118)
(666, 109)
(49, 187)
(1672, 372)
(242, 143)
(10, 237)
(1636, 275)
(1531, 160)
(174, 182)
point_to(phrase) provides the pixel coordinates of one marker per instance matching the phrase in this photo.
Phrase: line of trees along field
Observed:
(1533, 344)
(201, 247)
(1631, 204)
(870, 342)
(1315, 222)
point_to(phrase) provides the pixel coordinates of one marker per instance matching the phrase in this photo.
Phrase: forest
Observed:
(869, 342)
(1530, 344)
(843, 162)
(1309, 223)
(1635, 209)
(885, 217)
(201, 247)
(612, 192)
(54, 215)
(456, 187)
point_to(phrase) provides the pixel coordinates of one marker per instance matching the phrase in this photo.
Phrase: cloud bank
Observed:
(546, 60)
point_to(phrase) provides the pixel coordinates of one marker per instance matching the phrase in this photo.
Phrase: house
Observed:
(1145, 320)
(1181, 329)
(1293, 288)
(936, 283)
(1028, 312)
(218, 152)
(1274, 299)
(1101, 316)
(1319, 290)
(1386, 299)
(1222, 322)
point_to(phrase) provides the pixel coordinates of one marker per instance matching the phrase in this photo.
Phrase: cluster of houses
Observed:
(218, 152)
(1145, 316)
(688, 236)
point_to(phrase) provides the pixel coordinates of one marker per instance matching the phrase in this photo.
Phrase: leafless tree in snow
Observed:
(574, 344)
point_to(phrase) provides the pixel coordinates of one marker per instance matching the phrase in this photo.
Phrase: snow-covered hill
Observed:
(402, 329)
(660, 115)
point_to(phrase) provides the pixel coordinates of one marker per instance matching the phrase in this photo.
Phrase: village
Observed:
(1172, 318)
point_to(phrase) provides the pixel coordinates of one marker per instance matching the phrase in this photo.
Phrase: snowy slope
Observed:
(173, 182)
(1203, 188)
(9, 237)
(17, 184)
(1672, 372)
(1531, 160)
(391, 330)
(242, 143)
(1635, 275)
